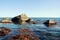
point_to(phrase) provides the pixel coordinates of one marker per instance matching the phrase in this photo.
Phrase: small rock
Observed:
(49, 23)
(30, 21)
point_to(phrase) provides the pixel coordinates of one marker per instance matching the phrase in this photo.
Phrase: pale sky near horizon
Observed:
(33, 8)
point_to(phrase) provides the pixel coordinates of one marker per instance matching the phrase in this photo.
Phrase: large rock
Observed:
(22, 19)
(19, 19)
(15, 20)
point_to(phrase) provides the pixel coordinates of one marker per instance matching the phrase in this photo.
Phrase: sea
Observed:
(44, 32)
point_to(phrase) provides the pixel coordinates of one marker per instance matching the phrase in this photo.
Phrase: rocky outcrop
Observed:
(4, 31)
(22, 19)
(50, 23)
(16, 20)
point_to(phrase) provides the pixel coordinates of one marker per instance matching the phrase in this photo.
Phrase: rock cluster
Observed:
(22, 19)
(4, 31)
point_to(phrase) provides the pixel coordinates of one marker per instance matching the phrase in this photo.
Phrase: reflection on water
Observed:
(40, 30)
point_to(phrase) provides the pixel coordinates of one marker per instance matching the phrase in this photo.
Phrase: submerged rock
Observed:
(24, 35)
(49, 23)
(25, 30)
(4, 31)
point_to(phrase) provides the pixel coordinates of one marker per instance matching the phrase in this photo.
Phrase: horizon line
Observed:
(33, 17)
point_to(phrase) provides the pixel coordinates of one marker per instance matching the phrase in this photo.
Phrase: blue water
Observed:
(39, 29)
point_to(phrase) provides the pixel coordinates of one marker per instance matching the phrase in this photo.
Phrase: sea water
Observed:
(40, 29)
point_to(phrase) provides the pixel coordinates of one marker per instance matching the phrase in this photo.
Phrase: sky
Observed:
(33, 8)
